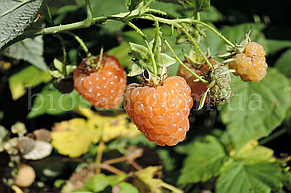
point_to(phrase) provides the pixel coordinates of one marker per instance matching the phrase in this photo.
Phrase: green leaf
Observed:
(99, 8)
(132, 4)
(277, 45)
(283, 63)
(15, 16)
(262, 177)
(257, 109)
(30, 50)
(199, 5)
(97, 183)
(204, 161)
(51, 101)
(146, 179)
(125, 187)
(121, 53)
(26, 78)
(253, 153)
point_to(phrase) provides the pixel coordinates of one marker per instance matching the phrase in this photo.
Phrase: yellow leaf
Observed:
(118, 127)
(112, 127)
(73, 137)
(147, 181)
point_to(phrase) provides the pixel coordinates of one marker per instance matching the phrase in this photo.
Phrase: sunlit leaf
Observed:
(257, 108)
(15, 16)
(99, 182)
(30, 50)
(68, 135)
(239, 177)
(125, 187)
(25, 79)
(146, 181)
(112, 127)
(204, 161)
(253, 153)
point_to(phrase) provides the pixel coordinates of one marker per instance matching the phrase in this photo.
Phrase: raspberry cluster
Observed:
(160, 112)
(251, 64)
(104, 86)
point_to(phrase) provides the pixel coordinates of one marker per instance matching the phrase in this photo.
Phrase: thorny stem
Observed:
(195, 44)
(148, 3)
(147, 45)
(190, 20)
(273, 136)
(123, 17)
(82, 44)
(180, 62)
(99, 156)
(170, 187)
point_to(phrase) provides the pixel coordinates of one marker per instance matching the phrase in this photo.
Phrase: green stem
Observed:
(88, 21)
(148, 3)
(82, 44)
(170, 187)
(147, 45)
(180, 62)
(157, 42)
(193, 42)
(273, 136)
(189, 20)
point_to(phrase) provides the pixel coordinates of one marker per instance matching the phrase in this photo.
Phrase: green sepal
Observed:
(135, 70)
(56, 73)
(140, 52)
(59, 65)
(70, 68)
(166, 60)
(202, 101)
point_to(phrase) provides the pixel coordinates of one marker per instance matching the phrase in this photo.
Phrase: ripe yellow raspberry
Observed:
(251, 64)
(160, 113)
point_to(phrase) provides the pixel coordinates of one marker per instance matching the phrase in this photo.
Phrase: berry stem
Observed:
(170, 187)
(155, 72)
(83, 45)
(180, 62)
(273, 136)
